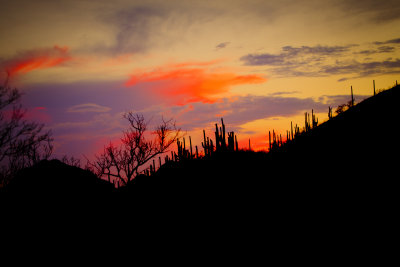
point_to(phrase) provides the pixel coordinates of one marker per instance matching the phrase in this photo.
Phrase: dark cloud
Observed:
(386, 49)
(263, 59)
(222, 45)
(140, 26)
(364, 69)
(240, 110)
(381, 49)
(295, 55)
(296, 61)
(252, 108)
(392, 41)
(316, 50)
(378, 11)
(236, 111)
(343, 79)
(134, 28)
(284, 93)
(319, 61)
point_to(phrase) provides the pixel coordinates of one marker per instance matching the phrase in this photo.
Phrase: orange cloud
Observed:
(36, 59)
(192, 82)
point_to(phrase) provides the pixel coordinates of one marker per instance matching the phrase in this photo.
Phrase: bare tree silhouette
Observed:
(124, 162)
(22, 143)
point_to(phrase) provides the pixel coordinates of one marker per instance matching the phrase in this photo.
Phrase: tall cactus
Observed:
(217, 138)
(291, 130)
(314, 119)
(296, 130)
(204, 143)
(223, 134)
(307, 126)
(270, 143)
(221, 142)
(220, 137)
(191, 151)
(211, 149)
(231, 141)
(180, 148)
(236, 143)
(352, 97)
(184, 153)
(373, 82)
(207, 145)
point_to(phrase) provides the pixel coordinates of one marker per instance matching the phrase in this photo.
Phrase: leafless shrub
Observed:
(22, 143)
(124, 162)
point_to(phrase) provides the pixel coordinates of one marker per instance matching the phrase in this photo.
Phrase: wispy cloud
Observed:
(365, 69)
(88, 107)
(392, 41)
(319, 61)
(245, 109)
(378, 11)
(134, 27)
(379, 50)
(222, 45)
(237, 110)
(139, 27)
(292, 56)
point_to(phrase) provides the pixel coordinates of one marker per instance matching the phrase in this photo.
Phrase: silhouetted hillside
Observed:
(361, 139)
(57, 179)
(351, 156)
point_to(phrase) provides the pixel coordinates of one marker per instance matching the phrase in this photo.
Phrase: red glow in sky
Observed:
(39, 59)
(193, 61)
(186, 85)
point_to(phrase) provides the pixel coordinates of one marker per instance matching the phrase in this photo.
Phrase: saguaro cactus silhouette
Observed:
(352, 96)
(314, 119)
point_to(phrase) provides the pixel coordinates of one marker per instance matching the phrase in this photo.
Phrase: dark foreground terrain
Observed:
(353, 156)
(348, 160)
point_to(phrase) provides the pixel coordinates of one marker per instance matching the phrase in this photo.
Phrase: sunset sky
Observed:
(257, 64)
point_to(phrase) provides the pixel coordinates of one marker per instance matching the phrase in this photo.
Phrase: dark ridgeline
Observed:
(351, 157)
(57, 179)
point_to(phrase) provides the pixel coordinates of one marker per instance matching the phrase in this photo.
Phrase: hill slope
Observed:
(360, 140)
(351, 156)
(54, 178)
